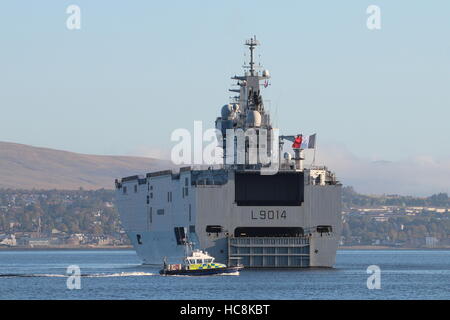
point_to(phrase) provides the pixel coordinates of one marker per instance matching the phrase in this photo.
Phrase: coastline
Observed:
(129, 247)
(43, 248)
(389, 248)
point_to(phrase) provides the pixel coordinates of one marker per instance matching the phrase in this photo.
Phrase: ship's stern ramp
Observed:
(269, 252)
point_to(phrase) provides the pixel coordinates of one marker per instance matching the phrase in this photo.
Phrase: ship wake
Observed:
(91, 275)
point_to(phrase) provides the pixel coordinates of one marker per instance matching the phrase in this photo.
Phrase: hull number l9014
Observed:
(269, 215)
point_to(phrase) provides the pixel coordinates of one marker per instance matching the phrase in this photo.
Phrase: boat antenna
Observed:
(252, 43)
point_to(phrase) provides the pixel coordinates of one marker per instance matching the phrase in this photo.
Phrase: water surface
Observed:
(118, 274)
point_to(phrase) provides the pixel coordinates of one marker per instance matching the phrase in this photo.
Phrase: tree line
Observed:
(93, 212)
(69, 212)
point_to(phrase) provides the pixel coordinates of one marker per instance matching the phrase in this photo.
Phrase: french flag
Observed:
(309, 142)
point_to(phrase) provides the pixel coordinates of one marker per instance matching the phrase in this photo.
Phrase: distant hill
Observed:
(27, 167)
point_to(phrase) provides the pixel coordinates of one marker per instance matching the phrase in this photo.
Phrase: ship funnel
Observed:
(299, 158)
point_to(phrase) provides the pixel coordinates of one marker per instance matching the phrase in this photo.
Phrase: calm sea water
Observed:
(405, 274)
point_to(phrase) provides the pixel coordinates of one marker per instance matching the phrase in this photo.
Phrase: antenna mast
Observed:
(252, 43)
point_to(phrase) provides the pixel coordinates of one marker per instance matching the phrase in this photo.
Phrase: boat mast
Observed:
(252, 43)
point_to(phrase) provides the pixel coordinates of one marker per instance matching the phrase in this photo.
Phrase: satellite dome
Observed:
(226, 111)
(287, 156)
(266, 73)
(253, 118)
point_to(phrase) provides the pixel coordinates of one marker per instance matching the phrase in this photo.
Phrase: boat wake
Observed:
(229, 274)
(93, 275)
(121, 274)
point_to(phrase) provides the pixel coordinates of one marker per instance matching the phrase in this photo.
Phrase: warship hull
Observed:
(164, 209)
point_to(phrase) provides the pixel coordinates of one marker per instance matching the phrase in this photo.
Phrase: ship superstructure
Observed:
(238, 212)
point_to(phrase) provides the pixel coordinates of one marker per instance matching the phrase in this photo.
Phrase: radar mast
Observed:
(252, 43)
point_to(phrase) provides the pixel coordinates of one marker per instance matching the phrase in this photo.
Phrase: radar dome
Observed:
(266, 73)
(253, 118)
(287, 156)
(226, 111)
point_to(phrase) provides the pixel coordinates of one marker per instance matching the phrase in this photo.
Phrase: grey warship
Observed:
(240, 214)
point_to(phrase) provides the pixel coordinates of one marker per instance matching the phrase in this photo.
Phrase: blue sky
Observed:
(137, 70)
